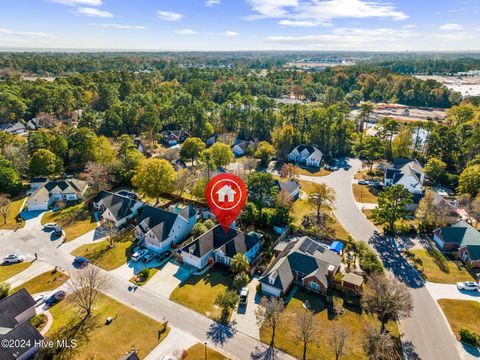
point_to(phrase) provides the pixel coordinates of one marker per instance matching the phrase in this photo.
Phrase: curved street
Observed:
(426, 334)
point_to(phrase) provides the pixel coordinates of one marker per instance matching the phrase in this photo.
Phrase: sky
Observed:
(202, 25)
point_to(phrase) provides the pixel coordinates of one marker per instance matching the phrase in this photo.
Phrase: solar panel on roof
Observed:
(311, 249)
(305, 245)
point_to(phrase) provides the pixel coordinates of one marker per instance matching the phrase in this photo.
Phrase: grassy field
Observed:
(100, 341)
(363, 175)
(15, 207)
(75, 220)
(152, 272)
(364, 194)
(340, 232)
(197, 352)
(9, 270)
(311, 171)
(199, 293)
(432, 271)
(461, 314)
(300, 209)
(107, 258)
(47, 281)
(353, 320)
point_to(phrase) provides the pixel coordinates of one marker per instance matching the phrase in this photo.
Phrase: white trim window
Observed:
(313, 285)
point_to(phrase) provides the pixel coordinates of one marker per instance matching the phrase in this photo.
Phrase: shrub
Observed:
(39, 321)
(4, 290)
(241, 280)
(469, 337)
(144, 273)
(198, 230)
(369, 261)
(439, 259)
(209, 224)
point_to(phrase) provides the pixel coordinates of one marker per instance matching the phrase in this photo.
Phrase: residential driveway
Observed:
(172, 345)
(37, 268)
(244, 317)
(168, 278)
(450, 291)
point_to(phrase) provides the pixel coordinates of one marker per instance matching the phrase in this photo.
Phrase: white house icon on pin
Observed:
(226, 192)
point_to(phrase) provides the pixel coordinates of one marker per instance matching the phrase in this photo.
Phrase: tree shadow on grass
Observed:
(220, 333)
(264, 353)
(409, 351)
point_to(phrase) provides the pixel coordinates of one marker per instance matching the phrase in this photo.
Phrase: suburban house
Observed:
(306, 155)
(37, 182)
(116, 208)
(15, 312)
(408, 173)
(14, 128)
(304, 262)
(240, 147)
(211, 140)
(159, 229)
(175, 137)
(290, 187)
(42, 122)
(460, 237)
(140, 145)
(352, 282)
(216, 245)
(69, 190)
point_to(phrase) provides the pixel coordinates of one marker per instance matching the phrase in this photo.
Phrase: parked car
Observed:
(50, 226)
(467, 285)
(80, 262)
(148, 256)
(139, 254)
(55, 298)
(331, 168)
(14, 258)
(39, 299)
(164, 255)
(362, 182)
(244, 296)
(58, 231)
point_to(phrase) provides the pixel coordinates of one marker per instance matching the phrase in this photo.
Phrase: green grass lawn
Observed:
(47, 281)
(432, 272)
(199, 292)
(311, 171)
(364, 194)
(75, 220)
(99, 341)
(142, 282)
(9, 270)
(15, 207)
(461, 314)
(301, 208)
(351, 319)
(39, 321)
(107, 258)
(197, 352)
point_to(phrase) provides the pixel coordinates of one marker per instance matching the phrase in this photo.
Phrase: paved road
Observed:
(228, 339)
(426, 335)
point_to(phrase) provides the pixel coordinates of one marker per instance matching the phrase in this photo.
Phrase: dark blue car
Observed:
(80, 262)
(55, 298)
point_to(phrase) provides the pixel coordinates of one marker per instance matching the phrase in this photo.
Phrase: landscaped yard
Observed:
(128, 329)
(15, 207)
(107, 258)
(353, 320)
(197, 352)
(301, 208)
(142, 282)
(363, 175)
(75, 220)
(9, 270)
(311, 171)
(364, 194)
(433, 272)
(199, 292)
(461, 314)
(47, 281)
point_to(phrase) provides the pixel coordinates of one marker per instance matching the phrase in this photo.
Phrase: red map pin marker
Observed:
(226, 195)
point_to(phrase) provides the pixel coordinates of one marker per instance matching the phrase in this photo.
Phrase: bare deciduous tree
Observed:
(338, 340)
(98, 176)
(306, 328)
(86, 285)
(322, 197)
(183, 181)
(270, 314)
(4, 206)
(388, 298)
(378, 345)
(112, 232)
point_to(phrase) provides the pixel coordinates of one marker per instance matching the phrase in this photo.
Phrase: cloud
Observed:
(94, 12)
(169, 15)
(346, 38)
(78, 2)
(226, 33)
(455, 36)
(323, 11)
(410, 26)
(299, 23)
(186, 32)
(212, 2)
(450, 27)
(120, 26)
(25, 33)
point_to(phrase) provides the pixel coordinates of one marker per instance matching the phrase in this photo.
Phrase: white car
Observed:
(13, 259)
(467, 285)
(244, 296)
(139, 254)
(148, 256)
(50, 226)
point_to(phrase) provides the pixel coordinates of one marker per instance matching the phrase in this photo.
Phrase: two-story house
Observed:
(306, 155)
(159, 229)
(46, 194)
(175, 137)
(116, 208)
(216, 245)
(305, 262)
(406, 172)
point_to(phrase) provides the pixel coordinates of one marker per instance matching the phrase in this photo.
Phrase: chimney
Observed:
(331, 269)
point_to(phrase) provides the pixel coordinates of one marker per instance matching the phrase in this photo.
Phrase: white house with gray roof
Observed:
(304, 262)
(408, 173)
(306, 155)
(160, 229)
(46, 194)
(116, 208)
